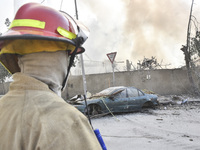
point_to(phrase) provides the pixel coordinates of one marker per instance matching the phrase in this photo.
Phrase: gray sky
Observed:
(133, 28)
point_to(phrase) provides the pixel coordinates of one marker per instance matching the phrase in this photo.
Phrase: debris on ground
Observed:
(175, 102)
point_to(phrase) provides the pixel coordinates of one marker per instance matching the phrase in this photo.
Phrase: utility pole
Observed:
(187, 53)
(82, 63)
(189, 28)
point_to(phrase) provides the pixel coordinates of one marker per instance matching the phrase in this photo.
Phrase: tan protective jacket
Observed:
(32, 117)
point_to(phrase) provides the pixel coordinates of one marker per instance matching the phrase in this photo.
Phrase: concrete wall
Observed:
(163, 82)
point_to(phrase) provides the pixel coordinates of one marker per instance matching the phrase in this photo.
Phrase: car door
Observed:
(136, 99)
(118, 102)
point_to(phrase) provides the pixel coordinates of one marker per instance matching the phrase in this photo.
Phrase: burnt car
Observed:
(115, 100)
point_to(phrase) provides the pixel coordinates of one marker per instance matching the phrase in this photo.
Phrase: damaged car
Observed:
(115, 100)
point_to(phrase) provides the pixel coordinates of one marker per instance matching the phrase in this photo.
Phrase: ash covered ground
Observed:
(174, 124)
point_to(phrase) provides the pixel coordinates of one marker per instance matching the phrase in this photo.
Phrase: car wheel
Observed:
(93, 110)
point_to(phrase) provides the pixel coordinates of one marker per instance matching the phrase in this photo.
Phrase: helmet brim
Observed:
(35, 35)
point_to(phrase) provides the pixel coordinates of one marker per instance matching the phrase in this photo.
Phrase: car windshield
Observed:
(109, 91)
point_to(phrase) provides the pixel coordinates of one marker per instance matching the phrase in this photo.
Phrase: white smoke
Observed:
(133, 28)
(136, 29)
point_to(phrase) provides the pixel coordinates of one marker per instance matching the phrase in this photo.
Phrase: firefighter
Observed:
(33, 116)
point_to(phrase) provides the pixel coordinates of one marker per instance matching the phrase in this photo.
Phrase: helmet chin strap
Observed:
(78, 42)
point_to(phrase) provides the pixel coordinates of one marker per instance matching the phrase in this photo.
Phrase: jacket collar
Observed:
(25, 82)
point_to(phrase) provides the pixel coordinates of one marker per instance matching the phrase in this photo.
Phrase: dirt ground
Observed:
(174, 125)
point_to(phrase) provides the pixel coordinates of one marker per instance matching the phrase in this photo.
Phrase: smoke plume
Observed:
(137, 29)
(156, 27)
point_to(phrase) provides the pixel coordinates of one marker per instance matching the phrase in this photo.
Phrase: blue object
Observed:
(100, 139)
(184, 101)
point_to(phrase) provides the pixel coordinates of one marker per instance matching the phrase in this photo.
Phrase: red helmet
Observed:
(34, 21)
